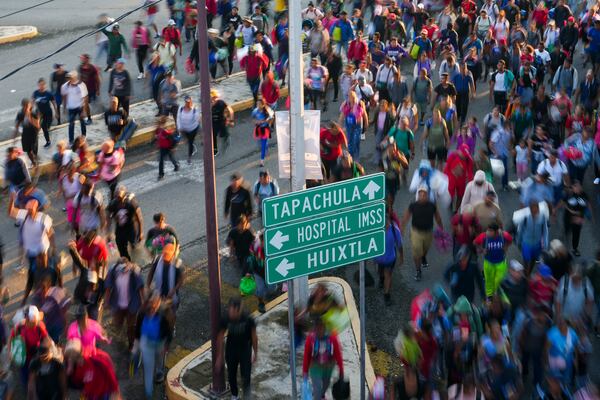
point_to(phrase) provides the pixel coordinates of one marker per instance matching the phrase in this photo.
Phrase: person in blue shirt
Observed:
(538, 189)
(593, 49)
(341, 33)
(393, 252)
(472, 41)
(532, 236)
(423, 42)
(465, 88)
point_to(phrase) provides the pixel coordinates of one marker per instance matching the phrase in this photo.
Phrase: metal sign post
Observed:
(363, 337)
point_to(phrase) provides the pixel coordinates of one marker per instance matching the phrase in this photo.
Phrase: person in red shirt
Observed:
(322, 352)
(429, 348)
(542, 287)
(172, 35)
(33, 331)
(94, 374)
(269, 90)
(465, 227)
(92, 252)
(470, 8)
(254, 64)
(358, 49)
(459, 169)
(166, 145)
(333, 142)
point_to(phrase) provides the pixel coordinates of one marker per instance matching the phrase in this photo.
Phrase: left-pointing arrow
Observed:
(284, 267)
(278, 240)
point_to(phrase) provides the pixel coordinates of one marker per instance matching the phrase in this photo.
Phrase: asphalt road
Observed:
(181, 197)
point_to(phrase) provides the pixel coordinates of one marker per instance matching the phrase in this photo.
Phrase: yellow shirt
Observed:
(279, 5)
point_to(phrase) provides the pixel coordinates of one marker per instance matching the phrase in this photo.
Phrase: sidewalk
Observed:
(234, 90)
(191, 377)
(9, 34)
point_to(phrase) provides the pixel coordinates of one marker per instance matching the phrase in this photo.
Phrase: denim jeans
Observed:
(254, 85)
(153, 358)
(504, 159)
(264, 145)
(73, 114)
(354, 132)
(161, 160)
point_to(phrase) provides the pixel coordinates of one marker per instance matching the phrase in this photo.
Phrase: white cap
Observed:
(171, 22)
(516, 266)
(33, 314)
(421, 6)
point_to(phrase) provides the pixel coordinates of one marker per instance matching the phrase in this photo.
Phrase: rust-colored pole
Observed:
(210, 198)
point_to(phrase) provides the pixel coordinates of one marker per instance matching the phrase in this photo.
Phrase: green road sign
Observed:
(319, 230)
(320, 258)
(324, 199)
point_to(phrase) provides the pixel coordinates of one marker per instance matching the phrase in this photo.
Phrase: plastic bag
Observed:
(497, 167)
(336, 319)
(306, 390)
(442, 240)
(247, 286)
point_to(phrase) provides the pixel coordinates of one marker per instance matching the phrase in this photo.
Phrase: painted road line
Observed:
(320, 230)
(321, 258)
(324, 199)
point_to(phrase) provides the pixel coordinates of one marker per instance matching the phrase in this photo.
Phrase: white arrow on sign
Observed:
(279, 239)
(371, 189)
(284, 267)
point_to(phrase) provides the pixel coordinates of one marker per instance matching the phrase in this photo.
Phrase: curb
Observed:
(145, 135)
(33, 32)
(175, 390)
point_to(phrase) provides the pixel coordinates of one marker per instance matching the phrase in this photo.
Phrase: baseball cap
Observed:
(516, 266)
(58, 65)
(187, 97)
(171, 22)
(121, 60)
(236, 176)
(544, 271)
(423, 188)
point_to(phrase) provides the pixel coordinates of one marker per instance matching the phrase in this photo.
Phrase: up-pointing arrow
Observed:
(278, 240)
(371, 189)
(284, 267)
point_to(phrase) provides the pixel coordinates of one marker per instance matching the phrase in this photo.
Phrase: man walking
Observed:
(254, 64)
(465, 89)
(119, 84)
(501, 86)
(75, 96)
(422, 213)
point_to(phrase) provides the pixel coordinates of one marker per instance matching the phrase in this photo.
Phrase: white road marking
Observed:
(148, 181)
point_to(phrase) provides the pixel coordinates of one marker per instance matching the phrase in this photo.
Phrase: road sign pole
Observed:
(296, 84)
(291, 326)
(363, 336)
(210, 199)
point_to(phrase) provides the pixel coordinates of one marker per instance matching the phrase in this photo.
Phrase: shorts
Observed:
(437, 154)
(530, 252)
(389, 266)
(420, 242)
(29, 144)
(150, 18)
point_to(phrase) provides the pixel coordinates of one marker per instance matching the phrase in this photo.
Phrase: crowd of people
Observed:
(539, 141)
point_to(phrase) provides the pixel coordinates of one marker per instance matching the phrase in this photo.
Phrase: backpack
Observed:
(560, 70)
(566, 289)
(257, 188)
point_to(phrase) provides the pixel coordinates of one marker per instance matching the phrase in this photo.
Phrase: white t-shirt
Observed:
(75, 94)
(34, 232)
(70, 189)
(122, 283)
(367, 74)
(543, 55)
(556, 171)
(366, 89)
(499, 82)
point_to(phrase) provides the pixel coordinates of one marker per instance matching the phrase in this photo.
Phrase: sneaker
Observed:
(88, 121)
(363, 136)
(194, 149)
(160, 177)
(418, 276)
(64, 209)
(176, 168)
(261, 308)
(596, 181)
(141, 75)
(425, 265)
(576, 253)
(48, 144)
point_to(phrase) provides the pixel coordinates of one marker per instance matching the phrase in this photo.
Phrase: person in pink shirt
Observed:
(111, 161)
(140, 41)
(328, 20)
(87, 331)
